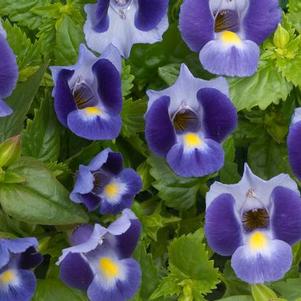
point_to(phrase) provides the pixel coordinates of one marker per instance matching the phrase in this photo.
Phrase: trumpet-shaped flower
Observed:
(256, 222)
(294, 143)
(227, 33)
(87, 96)
(17, 258)
(8, 72)
(104, 183)
(124, 23)
(99, 260)
(187, 122)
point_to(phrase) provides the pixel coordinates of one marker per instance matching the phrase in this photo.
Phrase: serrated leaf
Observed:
(41, 138)
(127, 79)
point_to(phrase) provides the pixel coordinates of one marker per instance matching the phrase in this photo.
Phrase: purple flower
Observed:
(17, 258)
(187, 122)
(124, 23)
(87, 96)
(8, 73)
(294, 143)
(227, 33)
(99, 260)
(256, 222)
(106, 184)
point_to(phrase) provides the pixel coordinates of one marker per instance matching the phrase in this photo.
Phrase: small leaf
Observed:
(261, 292)
(169, 73)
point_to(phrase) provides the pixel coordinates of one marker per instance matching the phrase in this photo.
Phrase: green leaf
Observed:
(127, 79)
(237, 298)
(261, 292)
(41, 138)
(52, 289)
(294, 15)
(265, 87)
(289, 289)
(39, 200)
(169, 73)
(177, 192)
(20, 101)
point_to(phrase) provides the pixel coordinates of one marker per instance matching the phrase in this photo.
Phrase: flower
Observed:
(227, 33)
(187, 122)
(99, 260)
(256, 222)
(17, 258)
(8, 72)
(87, 96)
(106, 184)
(294, 143)
(124, 23)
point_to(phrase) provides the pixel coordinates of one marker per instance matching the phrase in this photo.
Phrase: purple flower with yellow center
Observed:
(256, 222)
(104, 183)
(87, 96)
(8, 72)
(17, 258)
(124, 23)
(227, 33)
(100, 262)
(294, 143)
(187, 122)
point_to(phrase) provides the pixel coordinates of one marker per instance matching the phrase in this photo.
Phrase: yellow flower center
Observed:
(258, 241)
(108, 267)
(230, 37)
(93, 111)
(7, 277)
(192, 140)
(111, 190)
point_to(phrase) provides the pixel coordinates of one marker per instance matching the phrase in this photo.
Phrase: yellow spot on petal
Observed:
(192, 140)
(111, 190)
(108, 267)
(258, 241)
(93, 111)
(7, 277)
(230, 37)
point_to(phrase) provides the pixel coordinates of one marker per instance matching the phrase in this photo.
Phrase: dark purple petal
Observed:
(95, 128)
(109, 85)
(22, 292)
(223, 231)
(8, 69)
(286, 215)
(5, 110)
(90, 200)
(30, 259)
(108, 208)
(114, 163)
(197, 162)
(159, 131)
(262, 267)
(63, 98)
(100, 20)
(294, 148)
(81, 234)
(196, 23)
(230, 60)
(76, 272)
(150, 13)
(220, 116)
(261, 19)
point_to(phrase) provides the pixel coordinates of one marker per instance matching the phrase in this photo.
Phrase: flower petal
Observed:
(5, 109)
(222, 228)
(294, 148)
(4, 254)
(114, 163)
(196, 23)
(219, 114)
(101, 20)
(30, 259)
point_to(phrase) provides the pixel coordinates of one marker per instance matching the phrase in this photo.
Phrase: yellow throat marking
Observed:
(230, 37)
(258, 241)
(108, 267)
(93, 111)
(111, 190)
(192, 140)
(7, 277)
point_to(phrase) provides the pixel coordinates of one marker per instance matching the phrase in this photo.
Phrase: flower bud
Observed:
(281, 37)
(10, 151)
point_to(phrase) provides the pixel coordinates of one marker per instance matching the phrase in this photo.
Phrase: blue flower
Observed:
(8, 72)
(99, 260)
(227, 33)
(124, 23)
(106, 184)
(87, 96)
(294, 143)
(17, 258)
(187, 122)
(256, 222)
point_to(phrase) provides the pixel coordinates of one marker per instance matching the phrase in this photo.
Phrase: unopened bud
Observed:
(10, 151)
(281, 37)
